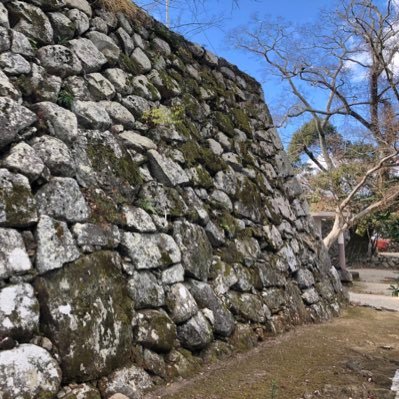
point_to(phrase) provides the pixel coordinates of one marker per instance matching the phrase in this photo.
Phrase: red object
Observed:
(382, 244)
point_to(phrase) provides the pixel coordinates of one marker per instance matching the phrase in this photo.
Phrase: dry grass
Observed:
(126, 7)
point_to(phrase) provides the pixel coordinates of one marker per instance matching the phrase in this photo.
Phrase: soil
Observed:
(353, 356)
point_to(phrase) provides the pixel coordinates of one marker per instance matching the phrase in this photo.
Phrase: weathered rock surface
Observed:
(151, 251)
(19, 311)
(195, 247)
(55, 154)
(13, 119)
(55, 245)
(13, 256)
(180, 303)
(145, 291)
(87, 314)
(59, 60)
(24, 159)
(62, 199)
(129, 381)
(28, 372)
(196, 333)
(205, 297)
(91, 58)
(154, 330)
(60, 122)
(17, 204)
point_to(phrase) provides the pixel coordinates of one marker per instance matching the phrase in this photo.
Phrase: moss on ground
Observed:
(279, 368)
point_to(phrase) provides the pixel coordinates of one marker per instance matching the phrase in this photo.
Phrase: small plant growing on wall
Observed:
(65, 98)
(394, 288)
(163, 116)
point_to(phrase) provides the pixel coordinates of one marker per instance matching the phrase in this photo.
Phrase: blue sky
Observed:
(232, 16)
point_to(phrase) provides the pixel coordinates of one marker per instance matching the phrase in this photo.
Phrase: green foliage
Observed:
(163, 116)
(394, 288)
(308, 137)
(147, 205)
(65, 98)
(33, 43)
(386, 224)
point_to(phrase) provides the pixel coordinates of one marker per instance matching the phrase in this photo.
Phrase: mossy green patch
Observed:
(204, 178)
(191, 86)
(241, 120)
(103, 208)
(187, 129)
(174, 39)
(185, 54)
(224, 123)
(245, 153)
(194, 154)
(19, 205)
(128, 64)
(249, 196)
(168, 85)
(102, 156)
(229, 224)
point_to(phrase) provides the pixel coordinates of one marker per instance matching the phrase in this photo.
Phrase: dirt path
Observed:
(354, 356)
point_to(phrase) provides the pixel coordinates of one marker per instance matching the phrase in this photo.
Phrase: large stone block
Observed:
(195, 247)
(87, 314)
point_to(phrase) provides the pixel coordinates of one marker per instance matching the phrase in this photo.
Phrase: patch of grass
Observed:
(65, 98)
(147, 205)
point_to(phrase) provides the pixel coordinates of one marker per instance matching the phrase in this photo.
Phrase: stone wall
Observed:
(149, 218)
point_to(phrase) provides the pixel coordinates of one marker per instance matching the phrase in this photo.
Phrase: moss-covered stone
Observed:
(249, 202)
(195, 248)
(229, 224)
(187, 129)
(182, 363)
(194, 154)
(128, 64)
(241, 120)
(17, 203)
(174, 39)
(102, 156)
(103, 208)
(86, 312)
(155, 330)
(204, 178)
(224, 123)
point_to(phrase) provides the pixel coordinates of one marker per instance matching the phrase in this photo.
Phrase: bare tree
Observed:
(351, 60)
(186, 16)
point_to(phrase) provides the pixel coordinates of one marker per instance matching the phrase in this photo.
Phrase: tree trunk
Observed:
(358, 247)
(335, 231)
